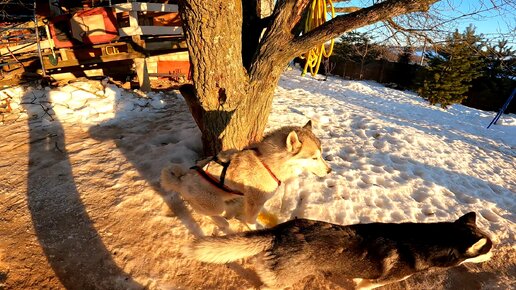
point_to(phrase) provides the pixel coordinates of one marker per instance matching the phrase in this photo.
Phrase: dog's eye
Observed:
(315, 158)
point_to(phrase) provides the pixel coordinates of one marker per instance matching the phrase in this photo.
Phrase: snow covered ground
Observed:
(81, 206)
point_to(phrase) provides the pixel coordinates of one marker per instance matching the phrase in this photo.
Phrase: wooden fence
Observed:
(381, 71)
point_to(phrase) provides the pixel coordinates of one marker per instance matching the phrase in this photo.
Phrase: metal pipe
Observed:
(37, 41)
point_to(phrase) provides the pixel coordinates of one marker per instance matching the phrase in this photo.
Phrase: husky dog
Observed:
(252, 174)
(372, 254)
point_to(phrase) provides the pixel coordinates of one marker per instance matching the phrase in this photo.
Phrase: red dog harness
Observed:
(220, 183)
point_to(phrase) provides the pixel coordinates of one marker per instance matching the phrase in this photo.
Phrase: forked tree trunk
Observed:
(235, 72)
(230, 106)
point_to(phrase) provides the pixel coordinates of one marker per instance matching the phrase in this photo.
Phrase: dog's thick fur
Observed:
(371, 254)
(287, 152)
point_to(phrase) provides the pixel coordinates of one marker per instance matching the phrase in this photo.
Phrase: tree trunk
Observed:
(230, 107)
(222, 130)
(215, 48)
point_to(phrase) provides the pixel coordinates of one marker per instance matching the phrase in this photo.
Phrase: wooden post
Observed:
(143, 74)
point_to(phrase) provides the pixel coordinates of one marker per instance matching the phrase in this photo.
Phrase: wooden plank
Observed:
(141, 6)
(150, 30)
(173, 56)
(93, 60)
(64, 55)
(164, 45)
(142, 72)
(23, 48)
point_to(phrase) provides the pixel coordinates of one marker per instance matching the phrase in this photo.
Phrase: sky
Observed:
(492, 23)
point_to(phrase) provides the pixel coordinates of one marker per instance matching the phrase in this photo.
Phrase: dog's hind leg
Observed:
(210, 204)
(221, 222)
(233, 208)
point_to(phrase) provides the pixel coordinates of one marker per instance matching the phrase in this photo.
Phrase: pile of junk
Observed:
(138, 42)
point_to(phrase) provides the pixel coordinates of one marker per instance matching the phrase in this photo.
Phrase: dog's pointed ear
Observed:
(293, 143)
(308, 125)
(468, 219)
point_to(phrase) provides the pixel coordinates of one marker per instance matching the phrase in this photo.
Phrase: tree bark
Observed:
(214, 42)
(234, 72)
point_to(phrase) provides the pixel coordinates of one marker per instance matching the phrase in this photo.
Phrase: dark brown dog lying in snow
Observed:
(372, 254)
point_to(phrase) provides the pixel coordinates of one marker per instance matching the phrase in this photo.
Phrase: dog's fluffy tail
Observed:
(170, 177)
(225, 249)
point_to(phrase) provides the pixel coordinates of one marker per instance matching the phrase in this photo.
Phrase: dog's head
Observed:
(306, 151)
(465, 242)
(477, 245)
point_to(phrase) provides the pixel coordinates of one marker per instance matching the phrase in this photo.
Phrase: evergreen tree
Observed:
(357, 47)
(452, 68)
(490, 91)
(405, 57)
(500, 60)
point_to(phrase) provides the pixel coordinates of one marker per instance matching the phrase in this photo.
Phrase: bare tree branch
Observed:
(362, 17)
(419, 32)
(346, 9)
(288, 13)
